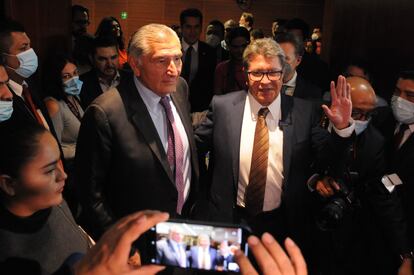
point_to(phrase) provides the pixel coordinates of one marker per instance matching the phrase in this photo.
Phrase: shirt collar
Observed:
(292, 81)
(16, 87)
(274, 107)
(114, 80)
(151, 99)
(186, 46)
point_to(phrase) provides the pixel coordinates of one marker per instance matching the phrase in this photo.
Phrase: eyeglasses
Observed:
(358, 114)
(271, 75)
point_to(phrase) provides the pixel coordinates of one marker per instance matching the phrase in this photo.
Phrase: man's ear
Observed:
(134, 64)
(299, 59)
(7, 185)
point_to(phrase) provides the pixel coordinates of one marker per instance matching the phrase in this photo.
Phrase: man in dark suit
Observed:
(171, 251)
(105, 73)
(294, 83)
(263, 143)
(372, 232)
(203, 256)
(136, 148)
(6, 97)
(20, 64)
(199, 60)
(398, 129)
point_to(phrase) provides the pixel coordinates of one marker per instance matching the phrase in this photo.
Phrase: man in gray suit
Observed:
(171, 251)
(136, 148)
(263, 145)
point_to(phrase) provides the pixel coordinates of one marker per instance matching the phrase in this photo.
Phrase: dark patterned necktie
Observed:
(187, 65)
(398, 137)
(255, 190)
(175, 152)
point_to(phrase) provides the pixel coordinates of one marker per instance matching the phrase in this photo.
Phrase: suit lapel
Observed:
(408, 144)
(140, 117)
(235, 123)
(286, 125)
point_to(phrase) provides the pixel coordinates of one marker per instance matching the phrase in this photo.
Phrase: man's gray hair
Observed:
(144, 38)
(266, 47)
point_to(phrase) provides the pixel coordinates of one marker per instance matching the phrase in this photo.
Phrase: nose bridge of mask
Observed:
(6, 110)
(27, 63)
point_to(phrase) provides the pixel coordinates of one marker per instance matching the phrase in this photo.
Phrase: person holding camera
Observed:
(361, 222)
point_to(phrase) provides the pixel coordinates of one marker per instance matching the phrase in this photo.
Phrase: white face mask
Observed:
(28, 63)
(6, 110)
(403, 110)
(361, 125)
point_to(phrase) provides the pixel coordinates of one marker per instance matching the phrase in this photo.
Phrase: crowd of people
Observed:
(242, 129)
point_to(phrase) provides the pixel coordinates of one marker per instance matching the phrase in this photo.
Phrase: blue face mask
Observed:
(6, 110)
(73, 86)
(28, 63)
(361, 125)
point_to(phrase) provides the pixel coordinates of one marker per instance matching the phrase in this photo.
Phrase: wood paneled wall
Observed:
(380, 31)
(141, 12)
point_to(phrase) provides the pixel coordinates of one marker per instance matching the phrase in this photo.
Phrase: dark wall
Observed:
(46, 22)
(381, 31)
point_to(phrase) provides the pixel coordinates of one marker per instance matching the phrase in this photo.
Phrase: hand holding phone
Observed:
(271, 257)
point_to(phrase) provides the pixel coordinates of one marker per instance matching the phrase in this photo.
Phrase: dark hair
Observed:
(218, 24)
(79, 8)
(407, 74)
(257, 33)
(52, 80)
(361, 63)
(237, 32)
(248, 17)
(105, 29)
(287, 37)
(7, 26)
(191, 13)
(104, 42)
(298, 24)
(21, 145)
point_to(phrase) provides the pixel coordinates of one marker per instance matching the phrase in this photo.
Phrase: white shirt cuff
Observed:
(346, 132)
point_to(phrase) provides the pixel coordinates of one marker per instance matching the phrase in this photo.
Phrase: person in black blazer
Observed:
(293, 123)
(373, 232)
(105, 73)
(295, 85)
(398, 127)
(198, 70)
(121, 162)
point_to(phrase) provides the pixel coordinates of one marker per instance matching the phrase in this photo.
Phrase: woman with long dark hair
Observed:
(229, 75)
(110, 27)
(62, 87)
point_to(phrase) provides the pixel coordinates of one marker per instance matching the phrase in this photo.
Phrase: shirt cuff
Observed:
(346, 132)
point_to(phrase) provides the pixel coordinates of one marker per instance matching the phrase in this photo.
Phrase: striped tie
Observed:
(175, 152)
(255, 190)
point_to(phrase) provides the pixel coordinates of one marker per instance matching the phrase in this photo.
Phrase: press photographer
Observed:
(359, 220)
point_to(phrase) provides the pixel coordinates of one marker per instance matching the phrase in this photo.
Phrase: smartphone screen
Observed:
(197, 246)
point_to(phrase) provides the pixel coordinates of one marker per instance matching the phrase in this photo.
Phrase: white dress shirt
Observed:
(194, 58)
(204, 259)
(274, 177)
(18, 90)
(406, 134)
(159, 118)
(291, 85)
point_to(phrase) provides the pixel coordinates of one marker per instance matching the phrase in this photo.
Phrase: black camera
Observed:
(336, 207)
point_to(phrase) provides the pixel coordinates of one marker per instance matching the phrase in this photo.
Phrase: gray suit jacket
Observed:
(166, 255)
(306, 148)
(121, 166)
